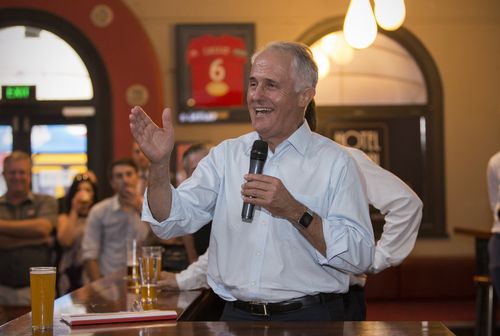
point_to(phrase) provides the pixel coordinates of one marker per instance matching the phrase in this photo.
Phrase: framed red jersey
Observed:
(213, 63)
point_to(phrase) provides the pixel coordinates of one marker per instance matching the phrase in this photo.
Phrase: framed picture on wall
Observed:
(213, 63)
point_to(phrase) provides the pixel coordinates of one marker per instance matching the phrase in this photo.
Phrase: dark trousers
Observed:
(355, 304)
(494, 266)
(327, 311)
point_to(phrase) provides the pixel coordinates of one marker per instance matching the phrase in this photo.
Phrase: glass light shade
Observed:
(321, 60)
(390, 14)
(337, 48)
(360, 27)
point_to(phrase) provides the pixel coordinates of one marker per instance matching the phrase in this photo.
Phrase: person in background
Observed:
(493, 180)
(142, 163)
(182, 251)
(311, 225)
(178, 252)
(402, 210)
(190, 159)
(81, 196)
(112, 221)
(26, 223)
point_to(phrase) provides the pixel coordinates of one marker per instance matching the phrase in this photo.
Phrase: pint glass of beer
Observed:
(43, 288)
(154, 252)
(148, 265)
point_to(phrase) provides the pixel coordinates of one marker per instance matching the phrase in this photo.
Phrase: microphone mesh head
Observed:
(259, 150)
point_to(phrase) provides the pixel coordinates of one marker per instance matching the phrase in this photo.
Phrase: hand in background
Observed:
(130, 198)
(168, 281)
(81, 202)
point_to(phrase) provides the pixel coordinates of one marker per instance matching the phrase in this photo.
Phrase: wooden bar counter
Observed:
(112, 294)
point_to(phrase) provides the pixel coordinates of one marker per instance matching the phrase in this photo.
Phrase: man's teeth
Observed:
(262, 110)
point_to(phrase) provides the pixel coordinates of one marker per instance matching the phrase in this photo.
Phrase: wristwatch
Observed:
(306, 218)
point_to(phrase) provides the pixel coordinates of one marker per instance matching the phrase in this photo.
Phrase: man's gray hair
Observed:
(306, 70)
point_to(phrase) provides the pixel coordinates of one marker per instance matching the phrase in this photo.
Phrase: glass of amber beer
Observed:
(148, 266)
(43, 288)
(156, 252)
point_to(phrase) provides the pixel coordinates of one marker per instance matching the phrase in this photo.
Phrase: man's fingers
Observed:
(166, 117)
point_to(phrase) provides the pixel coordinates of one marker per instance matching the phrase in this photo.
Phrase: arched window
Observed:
(55, 98)
(387, 101)
(57, 71)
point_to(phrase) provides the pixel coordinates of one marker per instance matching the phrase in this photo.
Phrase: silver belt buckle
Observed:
(258, 309)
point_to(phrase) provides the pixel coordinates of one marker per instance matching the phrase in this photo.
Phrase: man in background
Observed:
(493, 177)
(142, 164)
(26, 223)
(178, 252)
(112, 221)
(190, 159)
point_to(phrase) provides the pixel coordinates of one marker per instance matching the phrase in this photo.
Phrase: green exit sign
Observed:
(18, 93)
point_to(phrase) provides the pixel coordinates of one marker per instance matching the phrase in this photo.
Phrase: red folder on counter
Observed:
(98, 318)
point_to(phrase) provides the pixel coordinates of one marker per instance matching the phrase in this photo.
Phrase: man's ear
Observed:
(306, 96)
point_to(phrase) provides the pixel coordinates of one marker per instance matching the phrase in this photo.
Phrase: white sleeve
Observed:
(493, 177)
(195, 276)
(401, 207)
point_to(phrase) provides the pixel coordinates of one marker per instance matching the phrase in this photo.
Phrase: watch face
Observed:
(306, 219)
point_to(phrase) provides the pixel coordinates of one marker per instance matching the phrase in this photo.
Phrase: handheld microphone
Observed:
(258, 157)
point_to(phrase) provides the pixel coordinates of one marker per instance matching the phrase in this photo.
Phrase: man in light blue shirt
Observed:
(311, 226)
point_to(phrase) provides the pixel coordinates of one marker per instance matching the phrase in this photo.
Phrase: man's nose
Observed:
(256, 92)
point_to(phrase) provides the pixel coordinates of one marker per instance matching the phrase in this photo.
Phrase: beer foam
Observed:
(42, 270)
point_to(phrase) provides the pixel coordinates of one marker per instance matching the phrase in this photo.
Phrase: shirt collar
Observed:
(115, 204)
(299, 139)
(249, 142)
(29, 198)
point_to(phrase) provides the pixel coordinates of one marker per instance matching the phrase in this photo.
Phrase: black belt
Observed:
(356, 288)
(266, 309)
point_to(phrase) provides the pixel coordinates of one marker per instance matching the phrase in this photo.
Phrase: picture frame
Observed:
(213, 63)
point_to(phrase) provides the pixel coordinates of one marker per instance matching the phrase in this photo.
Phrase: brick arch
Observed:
(126, 51)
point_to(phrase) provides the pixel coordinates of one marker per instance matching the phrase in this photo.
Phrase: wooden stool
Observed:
(485, 306)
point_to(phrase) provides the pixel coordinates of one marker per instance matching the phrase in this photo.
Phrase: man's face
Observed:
(139, 158)
(193, 160)
(123, 176)
(17, 176)
(276, 109)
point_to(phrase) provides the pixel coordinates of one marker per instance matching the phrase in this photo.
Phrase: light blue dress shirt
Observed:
(268, 260)
(105, 236)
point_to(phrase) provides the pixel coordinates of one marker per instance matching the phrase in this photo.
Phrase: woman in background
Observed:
(81, 196)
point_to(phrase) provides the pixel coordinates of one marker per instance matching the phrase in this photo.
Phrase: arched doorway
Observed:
(127, 58)
(56, 113)
(408, 131)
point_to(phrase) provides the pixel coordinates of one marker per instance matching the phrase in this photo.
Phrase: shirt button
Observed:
(253, 283)
(257, 253)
